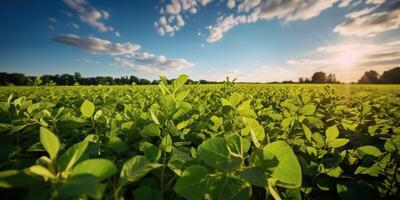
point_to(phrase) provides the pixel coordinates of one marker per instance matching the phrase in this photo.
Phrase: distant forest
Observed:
(391, 76)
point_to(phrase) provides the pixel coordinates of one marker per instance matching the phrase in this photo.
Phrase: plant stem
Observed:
(163, 172)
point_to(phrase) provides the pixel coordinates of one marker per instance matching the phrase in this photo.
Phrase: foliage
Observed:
(175, 141)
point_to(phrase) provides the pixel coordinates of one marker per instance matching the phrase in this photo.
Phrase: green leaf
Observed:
(368, 150)
(152, 152)
(235, 99)
(193, 183)
(313, 122)
(255, 175)
(214, 153)
(336, 143)
(180, 81)
(72, 156)
(308, 109)
(226, 187)
(87, 109)
(17, 178)
(136, 168)
(50, 142)
(256, 130)
(42, 171)
(166, 144)
(101, 168)
(151, 130)
(307, 132)
(287, 168)
(117, 144)
(331, 133)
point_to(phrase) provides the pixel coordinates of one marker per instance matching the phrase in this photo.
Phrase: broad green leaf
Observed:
(255, 175)
(87, 109)
(235, 99)
(116, 144)
(136, 168)
(42, 171)
(152, 152)
(331, 133)
(50, 142)
(308, 109)
(72, 156)
(179, 82)
(287, 170)
(166, 143)
(339, 142)
(193, 183)
(226, 187)
(101, 168)
(312, 121)
(256, 130)
(307, 132)
(235, 145)
(393, 144)
(214, 152)
(368, 150)
(154, 117)
(151, 130)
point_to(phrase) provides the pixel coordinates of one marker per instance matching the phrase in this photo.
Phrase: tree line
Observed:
(77, 79)
(391, 76)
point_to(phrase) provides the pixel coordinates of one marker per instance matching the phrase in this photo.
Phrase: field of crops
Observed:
(231, 141)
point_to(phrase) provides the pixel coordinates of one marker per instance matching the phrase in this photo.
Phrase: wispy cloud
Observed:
(250, 11)
(125, 54)
(89, 14)
(369, 25)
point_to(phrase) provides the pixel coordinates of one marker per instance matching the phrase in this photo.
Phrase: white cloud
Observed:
(150, 63)
(344, 3)
(75, 25)
(173, 8)
(231, 4)
(125, 54)
(360, 13)
(117, 34)
(171, 19)
(53, 20)
(50, 27)
(89, 14)
(91, 61)
(97, 45)
(376, 2)
(371, 24)
(251, 11)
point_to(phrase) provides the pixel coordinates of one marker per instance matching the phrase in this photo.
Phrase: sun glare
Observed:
(349, 57)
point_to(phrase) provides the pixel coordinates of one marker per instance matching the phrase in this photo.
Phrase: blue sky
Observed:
(253, 40)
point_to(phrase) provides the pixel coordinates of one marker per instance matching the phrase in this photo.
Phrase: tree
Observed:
(133, 79)
(143, 81)
(77, 77)
(301, 80)
(370, 77)
(391, 76)
(331, 78)
(318, 77)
